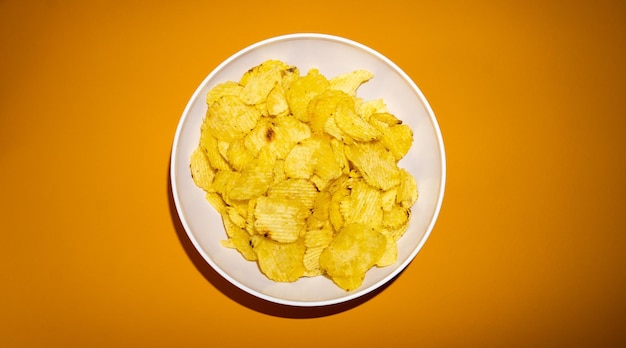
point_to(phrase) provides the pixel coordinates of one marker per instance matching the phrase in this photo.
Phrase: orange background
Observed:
(529, 247)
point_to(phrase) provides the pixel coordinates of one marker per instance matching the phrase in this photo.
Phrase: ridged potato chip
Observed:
(377, 164)
(201, 170)
(354, 250)
(351, 81)
(305, 174)
(303, 90)
(229, 118)
(281, 262)
(280, 219)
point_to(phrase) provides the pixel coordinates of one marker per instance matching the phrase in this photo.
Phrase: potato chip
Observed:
(398, 139)
(349, 283)
(227, 88)
(339, 193)
(354, 250)
(210, 145)
(260, 136)
(300, 163)
(238, 156)
(327, 161)
(332, 128)
(228, 118)
(276, 102)
(319, 237)
(375, 163)
(319, 217)
(280, 219)
(281, 262)
(395, 217)
(407, 193)
(322, 107)
(311, 261)
(201, 170)
(259, 81)
(368, 108)
(304, 191)
(386, 118)
(350, 82)
(388, 199)
(397, 232)
(224, 181)
(390, 255)
(238, 239)
(305, 174)
(351, 124)
(301, 91)
(286, 132)
(363, 205)
(216, 201)
(252, 183)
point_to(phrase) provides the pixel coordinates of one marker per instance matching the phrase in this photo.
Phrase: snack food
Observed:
(304, 173)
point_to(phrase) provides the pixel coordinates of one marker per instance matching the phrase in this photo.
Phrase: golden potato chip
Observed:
(296, 189)
(236, 217)
(300, 161)
(349, 283)
(201, 170)
(228, 118)
(398, 140)
(255, 179)
(363, 205)
(377, 165)
(280, 219)
(397, 232)
(216, 201)
(332, 128)
(250, 218)
(407, 193)
(276, 102)
(227, 88)
(340, 155)
(238, 156)
(261, 79)
(395, 217)
(286, 132)
(311, 261)
(280, 262)
(238, 239)
(240, 205)
(279, 171)
(250, 184)
(354, 126)
(210, 145)
(386, 118)
(389, 198)
(368, 108)
(350, 82)
(353, 251)
(301, 91)
(224, 181)
(322, 107)
(326, 163)
(339, 193)
(319, 217)
(260, 136)
(390, 255)
(319, 237)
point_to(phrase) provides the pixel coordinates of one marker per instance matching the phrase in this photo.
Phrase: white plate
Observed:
(332, 55)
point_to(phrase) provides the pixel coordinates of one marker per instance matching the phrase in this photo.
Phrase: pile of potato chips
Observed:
(305, 174)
